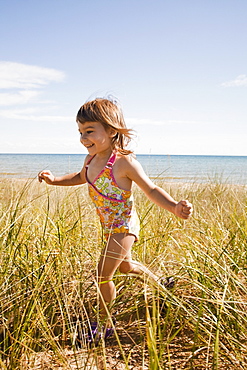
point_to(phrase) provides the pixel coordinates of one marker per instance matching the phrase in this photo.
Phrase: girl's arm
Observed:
(71, 179)
(77, 178)
(135, 172)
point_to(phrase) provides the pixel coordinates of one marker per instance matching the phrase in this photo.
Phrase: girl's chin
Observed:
(90, 148)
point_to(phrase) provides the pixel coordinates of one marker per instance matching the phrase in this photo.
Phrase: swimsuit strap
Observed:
(111, 160)
(90, 160)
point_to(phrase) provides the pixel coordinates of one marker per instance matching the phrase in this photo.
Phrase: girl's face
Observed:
(95, 138)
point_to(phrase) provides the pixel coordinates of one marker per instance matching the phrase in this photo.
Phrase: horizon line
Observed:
(146, 154)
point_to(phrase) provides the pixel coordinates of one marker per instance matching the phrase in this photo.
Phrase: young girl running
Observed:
(109, 170)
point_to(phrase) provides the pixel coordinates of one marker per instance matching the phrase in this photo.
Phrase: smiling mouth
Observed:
(89, 146)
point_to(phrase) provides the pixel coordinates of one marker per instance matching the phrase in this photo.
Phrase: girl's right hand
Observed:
(47, 176)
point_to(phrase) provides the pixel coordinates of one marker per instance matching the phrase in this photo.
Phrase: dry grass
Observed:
(49, 245)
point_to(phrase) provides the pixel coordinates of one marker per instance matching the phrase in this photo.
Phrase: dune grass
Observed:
(49, 246)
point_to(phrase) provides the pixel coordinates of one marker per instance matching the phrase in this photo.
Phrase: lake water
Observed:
(175, 168)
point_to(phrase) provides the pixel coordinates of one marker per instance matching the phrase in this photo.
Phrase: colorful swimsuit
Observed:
(114, 206)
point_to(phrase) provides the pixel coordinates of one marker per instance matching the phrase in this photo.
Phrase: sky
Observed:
(178, 68)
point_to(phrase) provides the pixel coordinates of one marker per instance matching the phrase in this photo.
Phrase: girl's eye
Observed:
(89, 132)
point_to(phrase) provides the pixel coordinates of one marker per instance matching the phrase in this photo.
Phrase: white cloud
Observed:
(241, 80)
(22, 81)
(32, 144)
(23, 76)
(32, 115)
(20, 97)
(142, 121)
(151, 122)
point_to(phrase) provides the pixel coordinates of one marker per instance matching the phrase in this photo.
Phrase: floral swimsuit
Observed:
(114, 206)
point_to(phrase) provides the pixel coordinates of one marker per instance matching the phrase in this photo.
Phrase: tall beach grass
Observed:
(50, 242)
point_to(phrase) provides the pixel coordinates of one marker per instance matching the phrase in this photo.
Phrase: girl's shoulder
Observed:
(125, 160)
(125, 163)
(126, 166)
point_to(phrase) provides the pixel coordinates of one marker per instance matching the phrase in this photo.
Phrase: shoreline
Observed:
(160, 181)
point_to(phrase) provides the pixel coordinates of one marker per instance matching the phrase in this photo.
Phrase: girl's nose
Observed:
(83, 137)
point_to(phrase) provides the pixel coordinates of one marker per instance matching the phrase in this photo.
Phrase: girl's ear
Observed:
(112, 132)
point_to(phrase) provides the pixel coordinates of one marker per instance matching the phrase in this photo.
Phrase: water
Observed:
(175, 168)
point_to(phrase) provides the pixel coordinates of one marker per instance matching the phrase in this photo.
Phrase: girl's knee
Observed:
(103, 279)
(125, 268)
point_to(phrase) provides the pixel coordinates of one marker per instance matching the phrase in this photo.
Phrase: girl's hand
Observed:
(47, 176)
(183, 209)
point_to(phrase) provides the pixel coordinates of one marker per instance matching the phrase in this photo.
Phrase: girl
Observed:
(109, 170)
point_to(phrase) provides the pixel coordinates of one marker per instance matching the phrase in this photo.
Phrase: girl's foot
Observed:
(168, 282)
(97, 332)
(94, 333)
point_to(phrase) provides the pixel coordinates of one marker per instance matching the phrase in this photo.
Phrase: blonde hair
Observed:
(110, 115)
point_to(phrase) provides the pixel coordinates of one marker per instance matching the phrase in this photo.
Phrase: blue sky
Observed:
(179, 69)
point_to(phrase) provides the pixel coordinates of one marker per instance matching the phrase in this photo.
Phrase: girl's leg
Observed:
(136, 268)
(117, 254)
(117, 249)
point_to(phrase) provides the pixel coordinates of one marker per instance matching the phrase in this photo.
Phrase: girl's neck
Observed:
(106, 154)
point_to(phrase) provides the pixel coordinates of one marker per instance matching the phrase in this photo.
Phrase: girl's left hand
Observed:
(183, 209)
